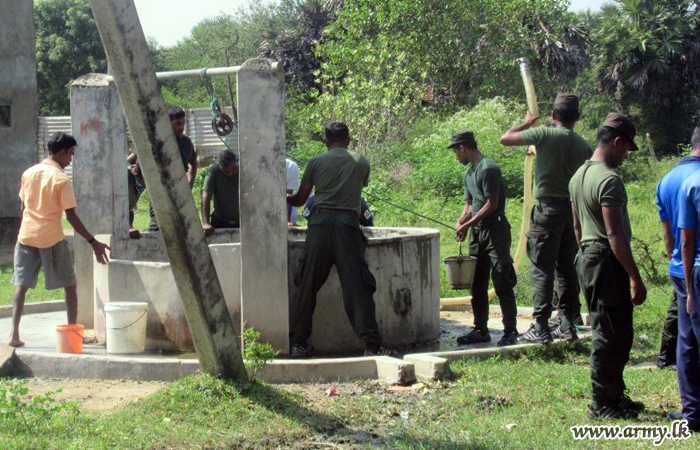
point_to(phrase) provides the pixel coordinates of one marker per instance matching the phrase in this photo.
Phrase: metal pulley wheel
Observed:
(222, 125)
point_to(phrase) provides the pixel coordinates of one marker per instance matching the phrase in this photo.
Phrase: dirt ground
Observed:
(95, 396)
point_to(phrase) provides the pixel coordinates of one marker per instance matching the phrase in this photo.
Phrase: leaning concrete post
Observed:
(264, 288)
(99, 175)
(193, 269)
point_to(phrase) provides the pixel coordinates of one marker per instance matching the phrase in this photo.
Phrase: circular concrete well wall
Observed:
(404, 261)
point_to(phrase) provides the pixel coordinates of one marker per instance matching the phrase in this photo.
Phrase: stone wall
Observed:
(18, 108)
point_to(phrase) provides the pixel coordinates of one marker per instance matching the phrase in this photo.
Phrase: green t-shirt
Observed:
(225, 192)
(484, 180)
(338, 178)
(560, 152)
(593, 186)
(187, 152)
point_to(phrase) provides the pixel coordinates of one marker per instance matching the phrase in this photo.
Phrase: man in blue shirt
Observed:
(667, 203)
(688, 295)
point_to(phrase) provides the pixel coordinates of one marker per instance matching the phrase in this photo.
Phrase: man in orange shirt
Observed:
(46, 192)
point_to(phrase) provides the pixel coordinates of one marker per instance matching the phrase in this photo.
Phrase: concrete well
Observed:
(405, 262)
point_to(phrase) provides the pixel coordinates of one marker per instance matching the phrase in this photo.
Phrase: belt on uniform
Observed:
(603, 243)
(490, 221)
(334, 211)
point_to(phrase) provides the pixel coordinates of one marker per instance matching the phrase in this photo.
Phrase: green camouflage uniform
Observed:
(334, 237)
(551, 242)
(605, 284)
(489, 243)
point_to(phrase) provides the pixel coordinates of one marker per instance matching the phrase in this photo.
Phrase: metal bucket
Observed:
(460, 270)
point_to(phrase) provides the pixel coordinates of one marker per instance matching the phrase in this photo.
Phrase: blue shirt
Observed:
(689, 209)
(667, 199)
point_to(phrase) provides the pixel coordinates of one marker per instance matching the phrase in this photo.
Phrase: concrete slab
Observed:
(35, 308)
(395, 371)
(429, 367)
(7, 355)
(39, 357)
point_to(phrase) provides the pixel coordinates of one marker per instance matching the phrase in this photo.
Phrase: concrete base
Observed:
(39, 357)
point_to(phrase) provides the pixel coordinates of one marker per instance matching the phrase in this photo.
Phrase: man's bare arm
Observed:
(97, 247)
(489, 208)
(577, 225)
(514, 136)
(299, 199)
(688, 256)
(669, 239)
(620, 245)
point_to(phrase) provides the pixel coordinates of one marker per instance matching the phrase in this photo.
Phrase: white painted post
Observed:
(264, 288)
(99, 175)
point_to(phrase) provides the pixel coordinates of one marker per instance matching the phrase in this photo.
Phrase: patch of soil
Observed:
(95, 396)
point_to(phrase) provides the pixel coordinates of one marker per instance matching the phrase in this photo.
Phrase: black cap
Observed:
(566, 102)
(617, 121)
(464, 138)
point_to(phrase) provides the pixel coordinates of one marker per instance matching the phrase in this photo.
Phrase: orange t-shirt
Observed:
(45, 192)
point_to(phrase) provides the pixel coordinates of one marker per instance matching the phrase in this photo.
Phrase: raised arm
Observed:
(514, 136)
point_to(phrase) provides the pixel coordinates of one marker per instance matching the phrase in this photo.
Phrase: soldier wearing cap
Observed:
(606, 267)
(334, 237)
(551, 244)
(489, 243)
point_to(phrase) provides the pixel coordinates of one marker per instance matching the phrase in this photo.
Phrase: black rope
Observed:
(376, 197)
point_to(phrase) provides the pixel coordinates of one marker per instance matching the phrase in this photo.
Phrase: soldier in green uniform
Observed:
(187, 153)
(334, 237)
(606, 267)
(489, 243)
(551, 244)
(221, 185)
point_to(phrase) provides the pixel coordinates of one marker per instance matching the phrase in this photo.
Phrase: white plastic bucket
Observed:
(126, 327)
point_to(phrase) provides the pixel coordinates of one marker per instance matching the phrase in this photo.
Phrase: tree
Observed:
(647, 61)
(68, 45)
(295, 47)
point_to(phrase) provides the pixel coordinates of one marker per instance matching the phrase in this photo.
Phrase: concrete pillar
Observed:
(99, 175)
(193, 269)
(264, 290)
(18, 108)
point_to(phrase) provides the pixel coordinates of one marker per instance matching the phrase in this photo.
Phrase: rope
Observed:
(376, 197)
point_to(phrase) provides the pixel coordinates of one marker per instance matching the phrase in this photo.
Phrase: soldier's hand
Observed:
(208, 229)
(134, 233)
(459, 236)
(689, 304)
(530, 120)
(639, 291)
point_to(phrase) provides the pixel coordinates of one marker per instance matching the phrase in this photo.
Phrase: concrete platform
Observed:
(430, 362)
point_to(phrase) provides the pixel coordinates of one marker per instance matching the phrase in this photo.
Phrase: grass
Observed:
(509, 403)
(528, 401)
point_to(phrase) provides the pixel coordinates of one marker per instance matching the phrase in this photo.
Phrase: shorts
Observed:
(57, 262)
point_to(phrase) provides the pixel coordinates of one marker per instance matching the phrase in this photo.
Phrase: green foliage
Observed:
(646, 59)
(256, 353)
(466, 49)
(20, 413)
(68, 45)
